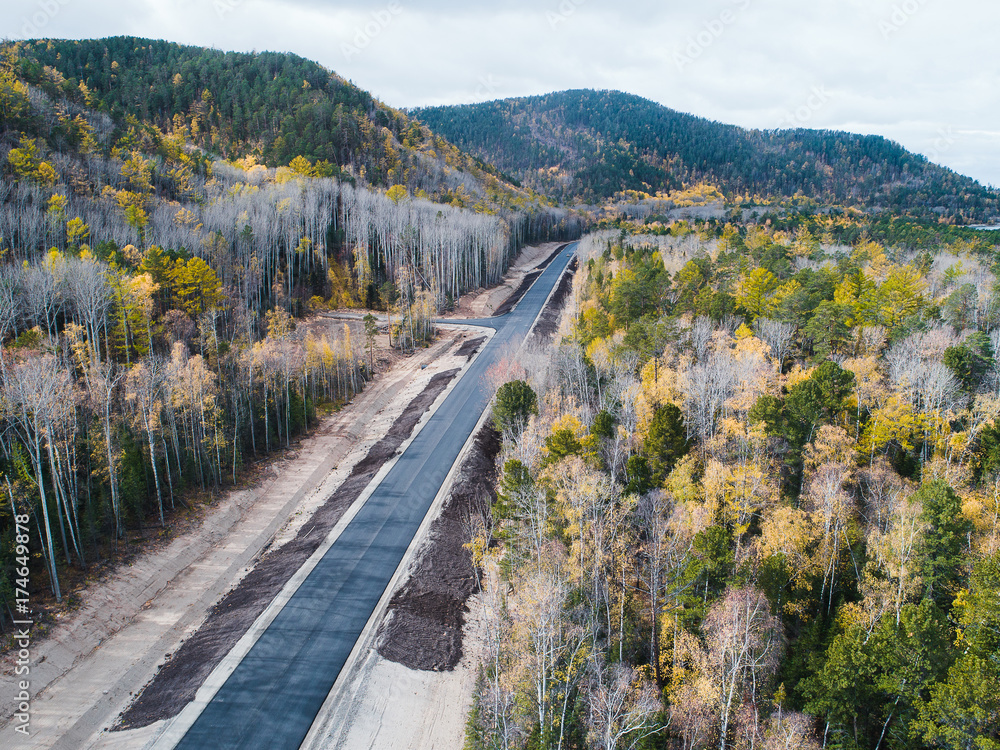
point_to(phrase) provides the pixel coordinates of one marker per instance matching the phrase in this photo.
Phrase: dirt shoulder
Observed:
(97, 658)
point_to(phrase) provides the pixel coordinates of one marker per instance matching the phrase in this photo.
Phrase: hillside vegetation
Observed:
(591, 145)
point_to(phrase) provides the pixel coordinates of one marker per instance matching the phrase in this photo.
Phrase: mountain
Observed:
(591, 145)
(268, 105)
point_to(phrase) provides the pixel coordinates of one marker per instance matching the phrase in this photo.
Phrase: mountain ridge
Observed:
(590, 145)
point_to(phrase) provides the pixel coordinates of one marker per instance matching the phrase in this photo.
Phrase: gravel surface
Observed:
(177, 682)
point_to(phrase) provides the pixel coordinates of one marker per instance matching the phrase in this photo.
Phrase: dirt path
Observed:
(97, 658)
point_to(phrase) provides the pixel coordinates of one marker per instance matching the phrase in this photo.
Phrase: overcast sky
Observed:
(923, 72)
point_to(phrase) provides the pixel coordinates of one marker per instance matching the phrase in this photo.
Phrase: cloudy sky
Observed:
(923, 72)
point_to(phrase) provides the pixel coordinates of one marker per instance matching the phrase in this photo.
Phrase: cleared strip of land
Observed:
(98, 658)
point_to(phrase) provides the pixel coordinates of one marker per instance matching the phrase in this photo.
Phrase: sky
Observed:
(925, 73)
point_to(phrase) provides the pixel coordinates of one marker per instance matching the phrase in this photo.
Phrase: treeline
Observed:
(591, 145)
(750, 504)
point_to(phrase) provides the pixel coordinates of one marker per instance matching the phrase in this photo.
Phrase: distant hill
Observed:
(590, 145)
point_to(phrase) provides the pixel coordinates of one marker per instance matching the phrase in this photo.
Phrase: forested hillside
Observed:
(273, 106)
(751, 500)
(592, 145)
(150, 289)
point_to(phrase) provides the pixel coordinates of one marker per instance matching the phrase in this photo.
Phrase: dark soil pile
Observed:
(428, 612)
(548, 321)
(470, 347)
(177, 681)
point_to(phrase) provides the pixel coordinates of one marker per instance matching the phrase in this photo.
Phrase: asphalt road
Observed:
(275, 693)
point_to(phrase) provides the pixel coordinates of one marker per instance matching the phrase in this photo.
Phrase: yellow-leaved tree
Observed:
(754, 291)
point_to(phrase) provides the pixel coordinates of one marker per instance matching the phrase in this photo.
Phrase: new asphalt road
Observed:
(275, 693)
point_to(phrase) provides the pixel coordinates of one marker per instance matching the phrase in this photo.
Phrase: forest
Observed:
(273, 106)
(589, 146)
(156, 301)
(751, 500)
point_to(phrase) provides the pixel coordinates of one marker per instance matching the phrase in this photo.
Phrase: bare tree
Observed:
(665, 544)
(744, 650)
(144, 389)
(777, 335)
(31, 388)
(621, 707)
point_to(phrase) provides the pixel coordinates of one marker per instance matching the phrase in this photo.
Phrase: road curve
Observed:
(275, 693)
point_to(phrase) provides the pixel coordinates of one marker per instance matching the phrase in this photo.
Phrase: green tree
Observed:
(900, 296)
(971, 360)
(827, 328)
(515, 484)
(754, 291)
(562, 443)
(817, 400)
(631, 296)
(603, 425)
(687, 283)
(666, 441)
(196, 287)
(960, 307)
(963, 710)
(942, 552)
(515, 402)
(639, 478)
(871, 685)
(769, 410)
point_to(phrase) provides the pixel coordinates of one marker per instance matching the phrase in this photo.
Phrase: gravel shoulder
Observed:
(96, 659)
